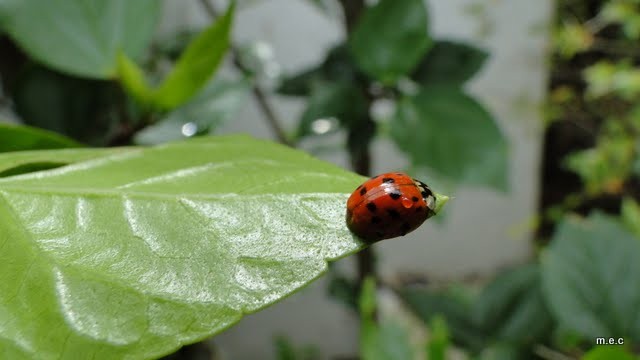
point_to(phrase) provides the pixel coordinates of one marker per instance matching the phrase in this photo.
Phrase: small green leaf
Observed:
(80, 37)
(631, 215)
(501, 351)
(438, 339)
(449, 63)
(454, 307)
(132, 78)
(135, 254)
(285, 350)
(17, 138)
(449, 132)
(609, 353)
(367, 300)
(390, 38)
(203, 114)
(385, 340)
(339, 100)
(571, 38)
(196, 65)
(590, 278)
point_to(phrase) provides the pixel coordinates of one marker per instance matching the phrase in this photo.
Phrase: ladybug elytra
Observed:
(389, 205)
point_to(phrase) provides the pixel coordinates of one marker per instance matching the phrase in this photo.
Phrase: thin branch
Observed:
(259, 95)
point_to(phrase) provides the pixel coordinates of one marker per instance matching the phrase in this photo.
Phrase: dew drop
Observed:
(407, 203)
(323, 125)
(189, 129)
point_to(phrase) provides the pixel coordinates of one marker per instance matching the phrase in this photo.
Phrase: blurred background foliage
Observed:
(75, 80)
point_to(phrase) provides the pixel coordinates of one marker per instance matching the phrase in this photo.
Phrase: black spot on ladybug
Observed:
(405, 228)
(376, 220)
(415, 199)
(372, 207)
(395, 195)
(423, 193)
(364, 191)
(393, 213)
(388, 180)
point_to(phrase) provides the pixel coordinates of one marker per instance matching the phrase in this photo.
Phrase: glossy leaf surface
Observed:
(137, 253)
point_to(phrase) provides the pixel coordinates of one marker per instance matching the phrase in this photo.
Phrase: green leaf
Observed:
(609, 353)
(449, 132)
(210, 108)
(511, 308)
(134, 254)
(285, 350)
(132, 78)
(630, 213)
(196, 65)
(438, 340)
(449, 63)
(454, 307)
(385, 340)
(591, 275)
(80, 37)
(336, 67)
(501, 351)
(339, 100)
(390, 38)
(16, 138)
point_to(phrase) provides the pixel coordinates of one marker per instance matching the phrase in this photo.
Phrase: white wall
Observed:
(483, 230)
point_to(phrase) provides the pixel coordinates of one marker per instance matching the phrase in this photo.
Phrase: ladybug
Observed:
(389, 205)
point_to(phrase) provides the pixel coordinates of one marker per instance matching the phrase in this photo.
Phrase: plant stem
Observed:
(258, 94)
(359, 139)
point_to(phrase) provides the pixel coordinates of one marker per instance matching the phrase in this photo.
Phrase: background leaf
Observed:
(630, 213)
(609, 353)
(196, 65)
(449, 132)
(390, 38)
(453, 306)
(80, 37)
(210, 108)
(383, 340)
(511, 308)
(590, 274)
(336, 67)
(438, 341)
(449, 63)
(16, 138)
(137, 253)
(339, 100)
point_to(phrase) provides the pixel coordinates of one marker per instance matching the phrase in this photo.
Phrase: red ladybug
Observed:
(389, 205)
